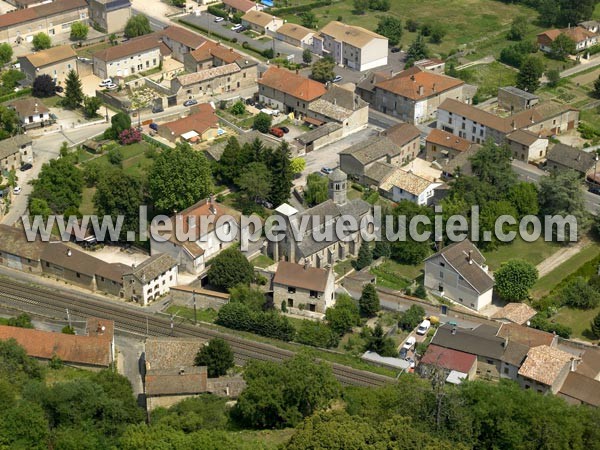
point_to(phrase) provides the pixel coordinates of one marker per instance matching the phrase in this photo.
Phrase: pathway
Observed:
(486, 60)
(561, 256)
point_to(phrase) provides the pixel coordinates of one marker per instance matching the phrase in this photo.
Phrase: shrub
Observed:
(238, 316)
(317, 334)
(130, 136)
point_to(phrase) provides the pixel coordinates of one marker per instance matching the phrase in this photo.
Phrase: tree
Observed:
(360, 6)
(11, 78)
(524, 197)
(308, 19)
(316, 189)
(79, 31)
(119, 122)
(597, 88)
(137, 26)
(322, 69)
(377, 342)
(238, 108)
(43, 86)
(437, 34)
(217, 356)
(514, 279)
(60, 185)
(553, 76)
(73, 93)
(344, 315)
(67, 329)
(231, 162)
(380, 5)
(369, 301)
(412, 317)
(492, 165)
(382, 249)
(316, 334)
(119, 194)
(255, 181)
(179, 178)
(417, 50)
(252, 297)
(230, 268)
(391, 28)
(297, 165)
(279, 162)
(518, 29)
(307, 56)
(9, 122)
(41, 41)
(577, 293)
(595, 326)
(39, 207)
(262, 122)
(562, 47)
(91, 105)
(528, 78)
(365, 256)
(113, 39)
(6, 53)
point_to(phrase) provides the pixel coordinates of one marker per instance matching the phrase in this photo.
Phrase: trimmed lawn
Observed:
(533, 252)
(87, 52)
(489, 77)
(87, 202)
(395, 276)
(204, 315)
(579, 321)
(342, 268)
(262, 261)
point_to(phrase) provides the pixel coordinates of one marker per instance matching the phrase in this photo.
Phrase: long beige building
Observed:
(56, 62)
(54, 19)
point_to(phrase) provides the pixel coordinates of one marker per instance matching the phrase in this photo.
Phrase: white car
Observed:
(424, 327)
(236, 27)
(17, 190)
(409, 343)
(111, 86)
(219, 19)
(106, 82)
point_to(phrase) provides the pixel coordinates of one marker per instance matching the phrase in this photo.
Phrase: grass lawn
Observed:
(545, 284)
(262, 261)
(204, 315)
(395, 276)
(87, 202)
(87, 52)
(533, 252)
(489, 77)
(343, 267)
(264, 439)
(134, 158)
(579, 321)
(64, 374)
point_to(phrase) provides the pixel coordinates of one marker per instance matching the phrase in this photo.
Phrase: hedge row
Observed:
(238, 316)
(13, 95)
(300, 8)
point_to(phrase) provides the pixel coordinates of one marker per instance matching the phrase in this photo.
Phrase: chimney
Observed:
(35, 108)
(182, 371)
(505, 343)
(69, 253)
(211, 198)
(421, 90)
(231, 50)
(434, 88)
(297, 71)
(514, 125)
(573, 364)
(305, 265)
(470, 256)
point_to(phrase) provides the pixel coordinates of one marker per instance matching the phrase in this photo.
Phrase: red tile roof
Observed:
(445, 139)
(201, 120)
(38, 12)
(292, 84)
(296, 275)
(210, 50)
(240, 5)
(448, 359)
(577, 34)
(417, 84)
(184, 36)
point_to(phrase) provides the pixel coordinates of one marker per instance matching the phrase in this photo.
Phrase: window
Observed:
(442, 263)
(291, 290)
(441, 274)
(290, 303)
(314, 294)
(312, 307)
(506, 370)
(489, 361)
(78, 274)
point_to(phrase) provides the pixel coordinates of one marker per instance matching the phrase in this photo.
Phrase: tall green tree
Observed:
(60, 185)
(417, 50)
(279, 162)
(9, 122)
(79, 31)
(73, 92)
(91, 105)
(6, 53)
(382, 249)
(595, 326)
(577, 293)
(518, 28)
(369, 301)
(11, 77)
(562, 47)
(231, 163)
(262, 122)
(137, 26)
(217, 356)
(528, 78)
(119, 122)
(230, 268)
(514, 279)
(179, 178)
(391, 28)
(322, 69)
(255, 181)
(377, 342)
(597, 88)
(43, 86)
(360, 6)
(308, 19)
(307, 56)
(492, 165)
(412, 317)
(365, 256)
(344, 315)
(41, 41)
(316, 189)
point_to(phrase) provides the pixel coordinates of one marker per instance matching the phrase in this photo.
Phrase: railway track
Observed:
(130, 319)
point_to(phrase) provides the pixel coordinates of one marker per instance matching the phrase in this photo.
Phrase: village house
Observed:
(32, 112)
(545, 369)
(405, 185)
(464, 365)
(295, 35)
(514, 100)
(151, 279)
(56, 62)
(527, 146)
(201, 125)
(583, 38)
(578, 389)
(288, 91)
(93, 351)
(321, 253)
(14, 152)
(111, 16)
(458, 273)
(366, 85)
(415, 94)
(342, 106)
(53, 18)
(519, 313)
(592, 26)
(180, 41)
(564, 157)
(302, 287)
(203, 223)
(261, 22)
(354, 47)
(240, 6)
(22, 4)
(16, 252)
(434, 65)
(440, 145)
(205, 84)
(210, 54)
(477, 125)
(459, 165)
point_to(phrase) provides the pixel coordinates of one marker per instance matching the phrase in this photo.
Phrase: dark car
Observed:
(395, 49)
(286, 130)
(239, 30)
(250, 102)
(58, 89)
(157, 109)
(190, 102)
(259, 105)
(595, 190)
(403, 353)
(25, 167)
(154, 126)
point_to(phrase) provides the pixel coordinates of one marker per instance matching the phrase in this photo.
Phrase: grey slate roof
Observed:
(380, 171)
(318, 133)
(571, 157)
(153, 267)
(344, 98)
(480, 341)
(337, 175)
(13, 144)
(372, 151)
(14, 241)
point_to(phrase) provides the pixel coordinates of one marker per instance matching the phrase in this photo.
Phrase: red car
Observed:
(276, 132)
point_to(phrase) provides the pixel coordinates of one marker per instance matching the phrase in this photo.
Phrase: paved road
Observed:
(593, 62)
(382, 120)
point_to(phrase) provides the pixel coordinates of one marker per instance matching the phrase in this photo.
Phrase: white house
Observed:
(31, 111)
(458, 273)
(403, 185)
(151, 279)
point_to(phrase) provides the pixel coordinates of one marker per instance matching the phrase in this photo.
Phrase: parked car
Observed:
(241, 29)
(424, 327)
(106, 82)
(409, 343)
(395, 49)
(17, 190)
(236, 27)
(219, 19)
(326, 170)
(595, 190)
(58, 89)
(259, 106)
(154, 126)
(157, 109)
(337, 78)
(111, 86)
(26, 167)
(250, 102)
(190, 102)
(286, 130)
(276, 132)
(403, 353)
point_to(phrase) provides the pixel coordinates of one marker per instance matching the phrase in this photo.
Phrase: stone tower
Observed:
(337, 187)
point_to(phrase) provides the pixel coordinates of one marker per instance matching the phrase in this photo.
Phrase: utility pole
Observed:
(195, 314)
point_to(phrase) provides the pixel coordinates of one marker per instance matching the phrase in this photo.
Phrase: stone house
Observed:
(303, 287)
(405, 185)
(201, 125)
(31, 111)
(109, 15)
(458, 273)
(527, 146)
(151, 279)
(350, 46)
(343, 106)
(180, 41)
(565, 157)
(210, 54)
(407, 137)
(515, 100)
(16, 252)
(261, 22)
(365, 87)
(448, 360)
(295, 35)
(14, 152)
(582, 37)
(441, 145)
(415, 94)
(56, 62)
(54, 19)
(578, 389)
(545, 369)
(288, 91)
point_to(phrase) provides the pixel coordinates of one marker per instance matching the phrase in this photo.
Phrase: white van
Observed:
(424, 327)
(106, 82)
(408, 344)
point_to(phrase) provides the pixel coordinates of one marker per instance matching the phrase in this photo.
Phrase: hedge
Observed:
(13, 95)
(300, 8)
(215, 11)
(153, 141)
(238, 316)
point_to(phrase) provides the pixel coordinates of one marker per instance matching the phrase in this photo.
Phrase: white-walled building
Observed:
(403, 185)
(151, 279)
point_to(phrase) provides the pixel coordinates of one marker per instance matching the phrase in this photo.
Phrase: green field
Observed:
(203, 315)
(533, 252)
(579, 321)
(395, 276)
(489, 77)
(262, 261)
